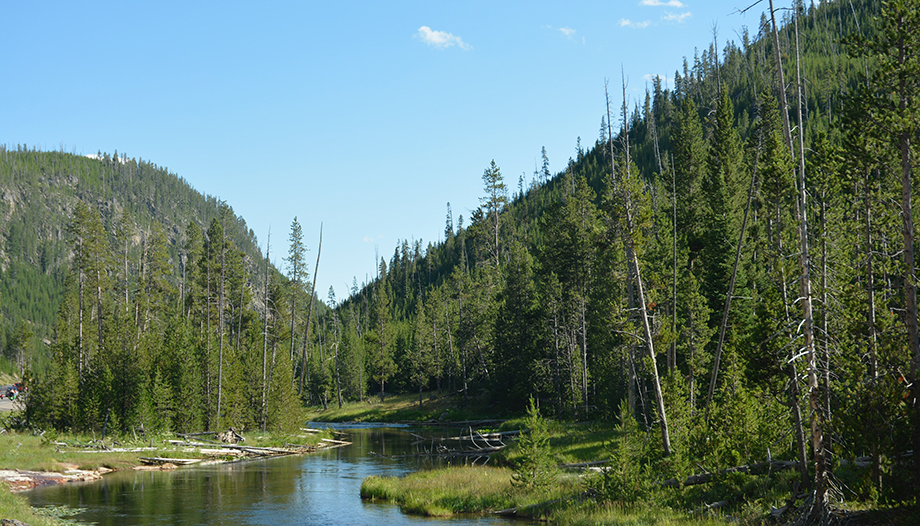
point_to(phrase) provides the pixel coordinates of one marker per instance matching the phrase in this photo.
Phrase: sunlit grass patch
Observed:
(593, 513)
(403, 408)
(30, 452)
(456, 490)
(570, 444)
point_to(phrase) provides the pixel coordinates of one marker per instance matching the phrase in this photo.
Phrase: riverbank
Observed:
(479, 490)
(603, 477)
(28, 461)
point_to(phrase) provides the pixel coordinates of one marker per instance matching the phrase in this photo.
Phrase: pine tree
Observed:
(493, 204)
(890, 118)
(381, 339)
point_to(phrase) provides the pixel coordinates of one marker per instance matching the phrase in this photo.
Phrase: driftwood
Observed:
(161, 460)
(479, 444)
(230, 436)
(337, 442)
(473, 437)
(203, 433)
(240, 450)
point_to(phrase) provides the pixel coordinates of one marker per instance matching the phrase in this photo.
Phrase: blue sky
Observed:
(366, 116)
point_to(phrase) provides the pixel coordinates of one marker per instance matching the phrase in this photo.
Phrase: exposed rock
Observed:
(20, 479)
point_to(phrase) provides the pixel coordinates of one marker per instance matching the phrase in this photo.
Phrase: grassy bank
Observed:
(62, 453)
(405, 408)
(575, 496)
(16, 507)
(460, 490)
(58, 453)
(463, 489)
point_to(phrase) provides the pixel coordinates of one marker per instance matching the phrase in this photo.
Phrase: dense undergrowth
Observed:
(628, 489)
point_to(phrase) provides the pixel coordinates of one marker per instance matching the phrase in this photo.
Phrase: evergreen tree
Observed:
(493, 204)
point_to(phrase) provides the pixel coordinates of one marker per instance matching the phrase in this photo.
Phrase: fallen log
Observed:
(514, 511)
(162, 460)
(302, 447)
(483, 436)
(705, 478)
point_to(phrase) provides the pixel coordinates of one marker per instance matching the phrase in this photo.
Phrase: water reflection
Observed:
(319, 489)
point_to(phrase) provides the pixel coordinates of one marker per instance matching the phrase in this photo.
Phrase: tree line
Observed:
(732, 264)
(148, 342)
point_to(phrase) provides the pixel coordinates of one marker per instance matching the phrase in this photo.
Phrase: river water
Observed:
(317, 489)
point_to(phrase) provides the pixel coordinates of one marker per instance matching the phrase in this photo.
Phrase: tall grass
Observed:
(465, 489)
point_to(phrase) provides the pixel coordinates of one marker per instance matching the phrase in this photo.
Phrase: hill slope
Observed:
(38, 195)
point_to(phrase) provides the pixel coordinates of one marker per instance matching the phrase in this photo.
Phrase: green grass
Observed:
(455, 490)
(405, 408)
(35, 453)
(483, 490)
(45, 453)
(570, 443)
(16, 507)
(593, 513)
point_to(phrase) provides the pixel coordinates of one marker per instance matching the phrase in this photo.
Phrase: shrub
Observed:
(537, 468)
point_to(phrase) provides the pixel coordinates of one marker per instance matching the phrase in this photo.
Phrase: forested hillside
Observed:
(131, 301)
(731, 263)
(39, 192)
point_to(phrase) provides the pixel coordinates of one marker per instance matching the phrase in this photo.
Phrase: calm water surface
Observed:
(318, 489)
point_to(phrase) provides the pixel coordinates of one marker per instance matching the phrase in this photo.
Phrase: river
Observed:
(317, 489)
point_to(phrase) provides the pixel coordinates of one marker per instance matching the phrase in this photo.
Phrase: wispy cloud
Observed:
(567, 31)
(657, 3)
(441, 39)
(625, 22)
(676, 17)
(665, 80)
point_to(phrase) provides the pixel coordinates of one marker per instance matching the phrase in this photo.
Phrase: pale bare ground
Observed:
(8, 405)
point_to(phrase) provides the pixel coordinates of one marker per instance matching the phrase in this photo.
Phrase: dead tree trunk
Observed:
(303, 368)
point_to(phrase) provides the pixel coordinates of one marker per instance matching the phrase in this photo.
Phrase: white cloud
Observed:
(657, 3)
(567, 31)
(441, 39)
(665, 80)
(625, 22)
(679, 18)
